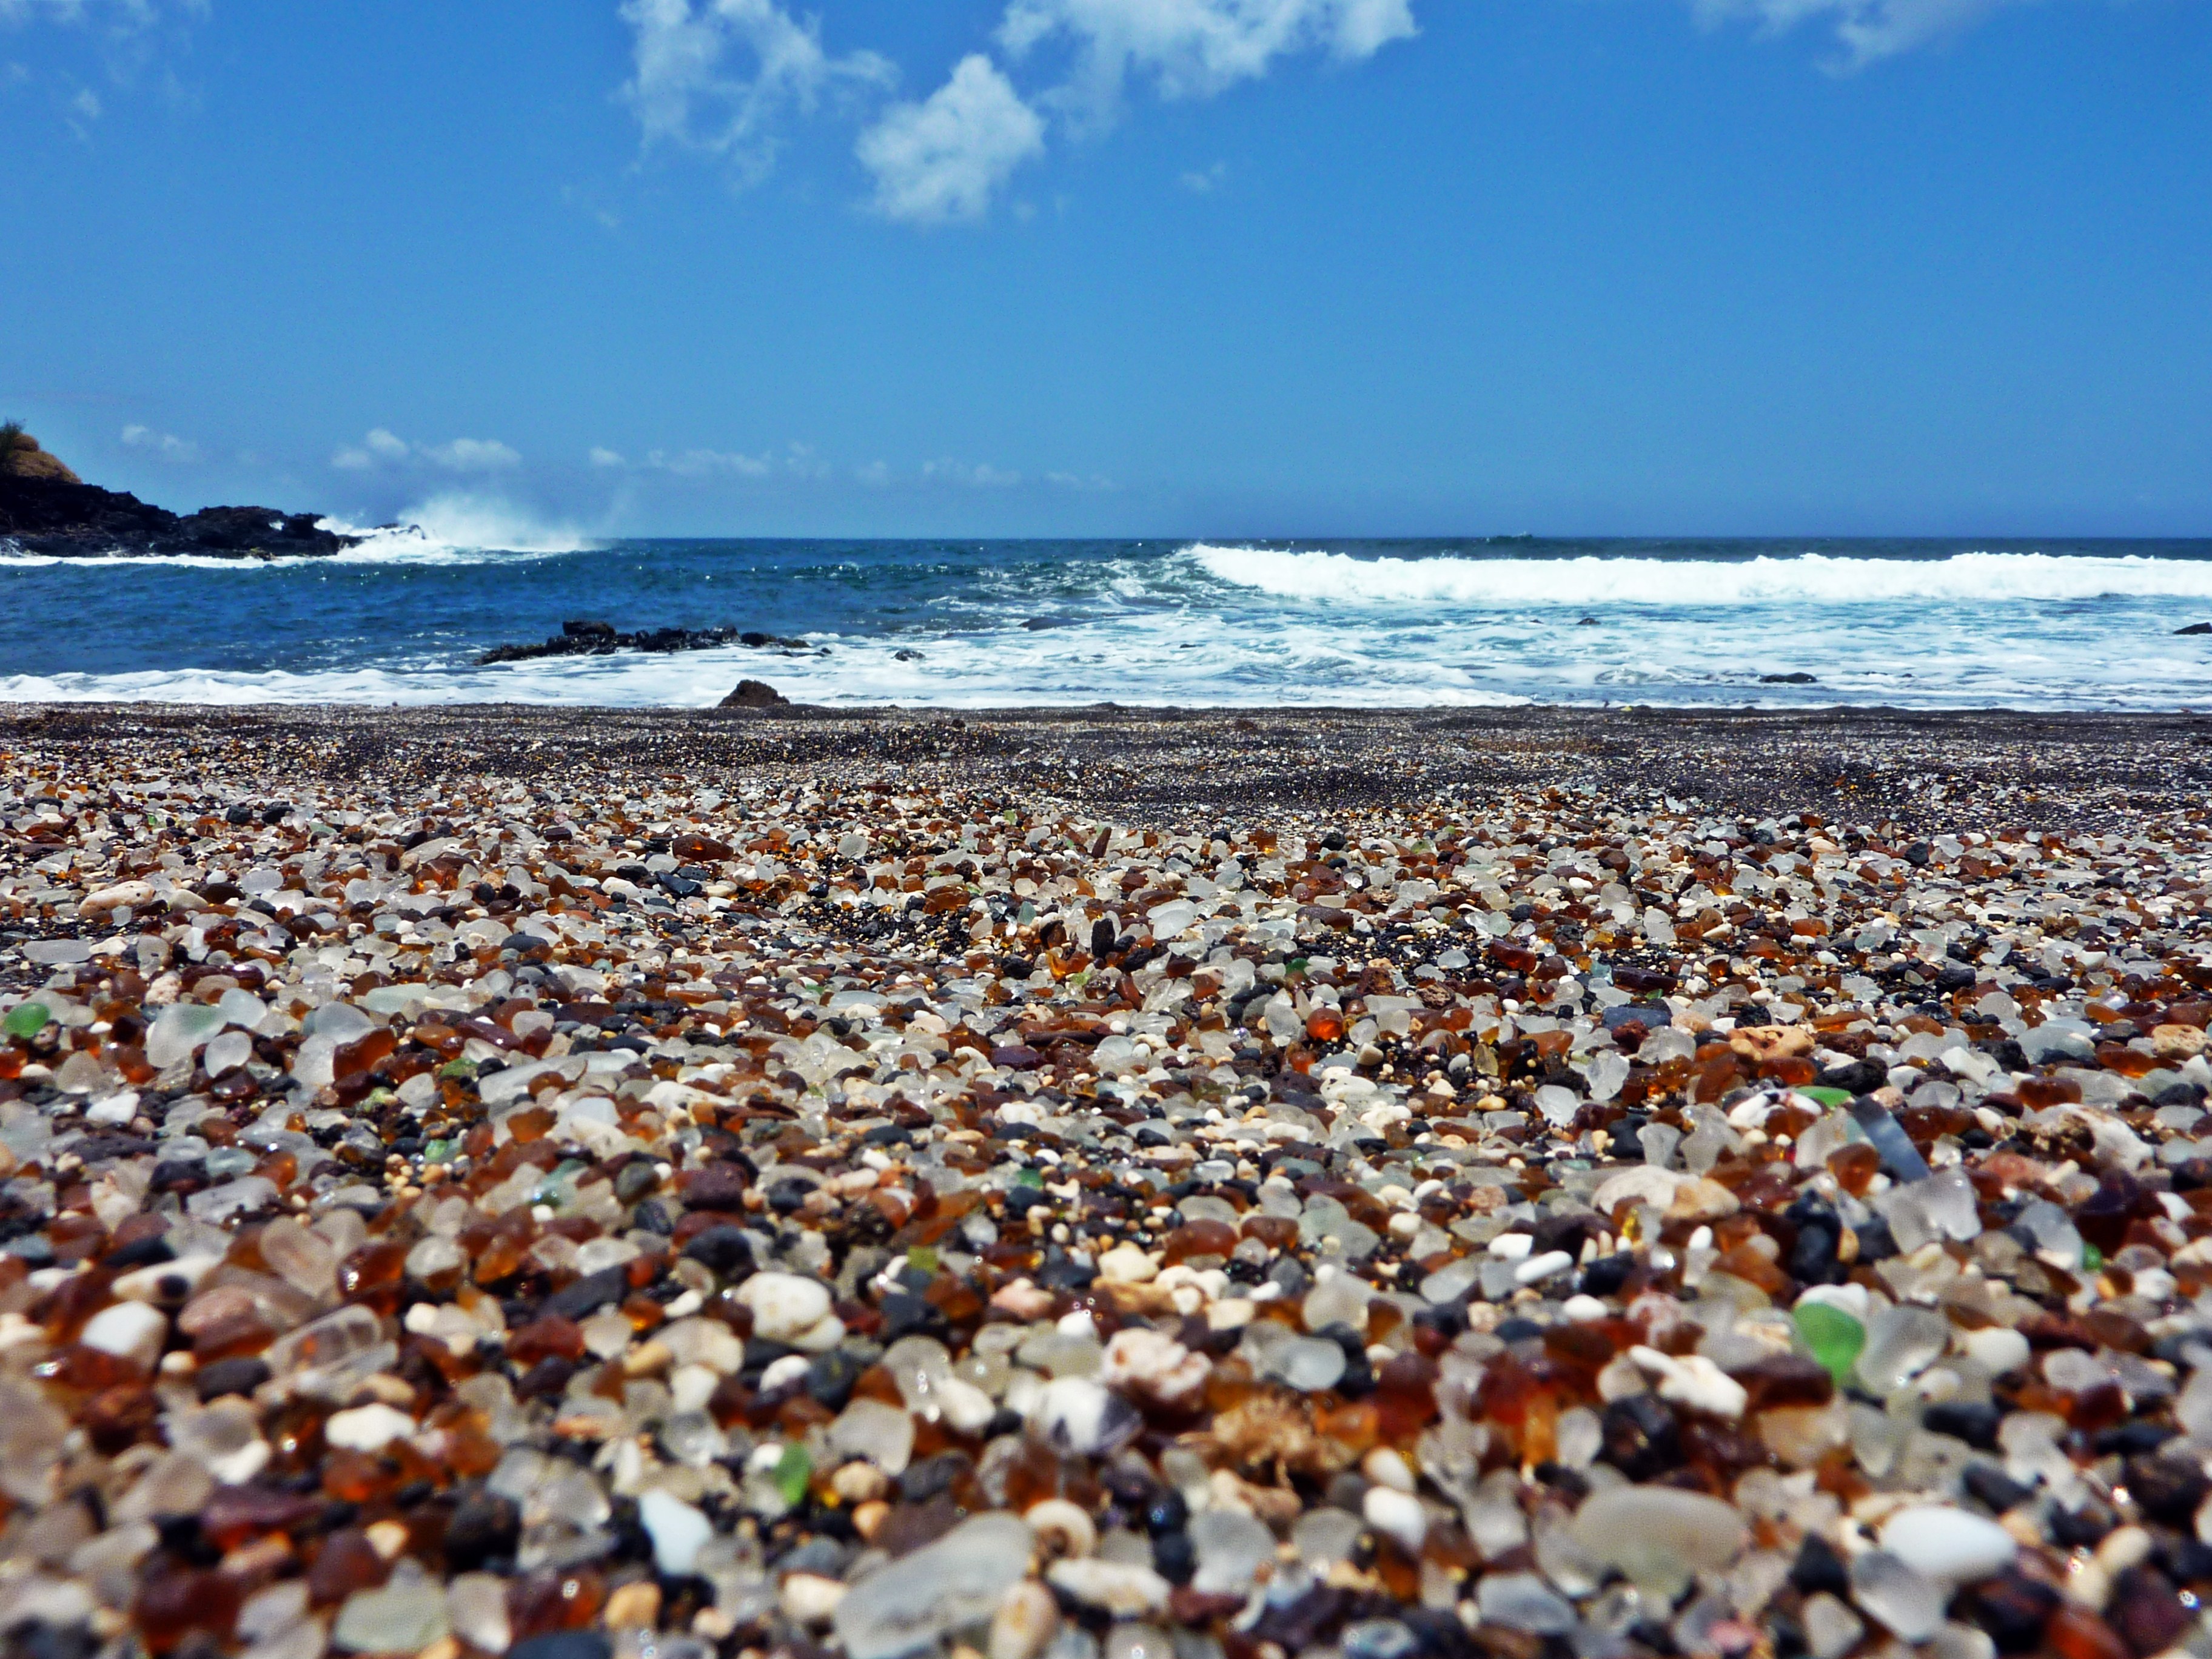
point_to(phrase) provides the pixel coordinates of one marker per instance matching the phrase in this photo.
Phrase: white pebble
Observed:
(368, 1428)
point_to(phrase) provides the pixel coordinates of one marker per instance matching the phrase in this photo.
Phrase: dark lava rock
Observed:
(80, 520)
(755, 694)
(584, 638)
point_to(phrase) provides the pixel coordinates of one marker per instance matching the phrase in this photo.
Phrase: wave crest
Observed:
(1810, 578)
(456, 529)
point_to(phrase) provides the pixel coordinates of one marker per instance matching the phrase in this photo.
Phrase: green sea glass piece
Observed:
(1834, 1337)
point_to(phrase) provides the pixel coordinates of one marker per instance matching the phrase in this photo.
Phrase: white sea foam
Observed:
(1809, 577)
(1178, 627)
(13, 559)
(454, 529)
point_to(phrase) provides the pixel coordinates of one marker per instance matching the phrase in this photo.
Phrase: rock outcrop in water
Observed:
(46, 508)
(601, 639)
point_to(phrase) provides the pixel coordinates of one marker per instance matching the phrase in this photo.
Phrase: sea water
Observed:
(403, 618)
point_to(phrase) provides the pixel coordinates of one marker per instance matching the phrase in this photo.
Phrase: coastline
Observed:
(1922, 767)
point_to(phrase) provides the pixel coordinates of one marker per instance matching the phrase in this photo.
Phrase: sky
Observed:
(1122, 267)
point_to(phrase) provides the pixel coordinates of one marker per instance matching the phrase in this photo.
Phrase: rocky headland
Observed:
(45, 509)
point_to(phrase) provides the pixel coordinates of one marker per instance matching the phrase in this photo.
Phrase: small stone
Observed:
(1659, 1536)
(476, 1604)
(1120, 1588)
(871, 1429)
(809, 1598)
(677, 1528)
(399, 1617)
(1127, 1265)
(785, 1306)
(1231, 1547)
(1080, 1414)
(1901, 1342)
(1998, 1349)
(1538, 1268)
(958, 1580)
(368, 1428)
(1951, 1547)
(1307, 1362)
(129, 1330)
(1025, 1622)
(1905, 1600)
(1693, 1381)
(1831, 1628)
(1522, 1601)
(1400, 1515)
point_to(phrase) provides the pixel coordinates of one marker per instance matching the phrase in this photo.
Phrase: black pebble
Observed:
(1990, 1487)
(1640, 1437)
(1976, 1425)
(1819, 1568)
(240, 1376)
(1173, 1557)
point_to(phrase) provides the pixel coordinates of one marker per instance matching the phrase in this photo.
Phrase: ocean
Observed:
(1926, 623)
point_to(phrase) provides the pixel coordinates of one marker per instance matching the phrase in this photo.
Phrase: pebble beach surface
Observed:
(1515, 1184)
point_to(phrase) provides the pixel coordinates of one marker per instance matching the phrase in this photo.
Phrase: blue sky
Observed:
(1159, 267)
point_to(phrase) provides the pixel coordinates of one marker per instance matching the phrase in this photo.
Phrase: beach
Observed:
(1243, 1181)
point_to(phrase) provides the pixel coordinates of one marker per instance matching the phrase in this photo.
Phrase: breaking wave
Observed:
(1814, 578)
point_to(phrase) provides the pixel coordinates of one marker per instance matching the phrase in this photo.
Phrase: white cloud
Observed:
(609, 458)
(981, 475)
(1073, 481)
(939, 161)
(117, 17)
(474, 455)
(1193, 48)
(875, 475)
(684, 91)
(461, 455)
(166, 445)
(710, 464)
(1867, 30)
(125, 35)
(1205, 183)
(798, 461)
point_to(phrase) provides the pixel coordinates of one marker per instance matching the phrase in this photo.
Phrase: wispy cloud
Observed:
(939, 161)
(125, 36)
(113, 16)
(710, 464)
(167, 446)
(1206, 182)
(975, 476)
(1867, 30)
(474, 455)
(381, 448)
(1191, 48)
(795, 460)
(719, 75)
(1094, 483)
